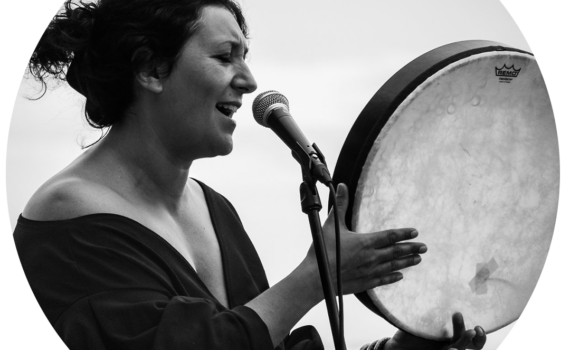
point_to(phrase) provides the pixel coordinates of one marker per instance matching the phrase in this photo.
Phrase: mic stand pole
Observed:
(311, 205)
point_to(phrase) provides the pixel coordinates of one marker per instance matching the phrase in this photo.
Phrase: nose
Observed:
(244, 80)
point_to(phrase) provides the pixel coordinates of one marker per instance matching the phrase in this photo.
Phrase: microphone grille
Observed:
(265, 100)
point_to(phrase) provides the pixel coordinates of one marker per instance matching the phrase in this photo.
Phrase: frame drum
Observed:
(460, 144)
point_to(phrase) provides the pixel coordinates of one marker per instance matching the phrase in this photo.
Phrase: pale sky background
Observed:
(328, 58)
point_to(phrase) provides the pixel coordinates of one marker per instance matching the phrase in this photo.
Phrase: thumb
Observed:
(342, 202)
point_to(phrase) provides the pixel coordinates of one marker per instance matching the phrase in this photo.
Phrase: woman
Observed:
(122, 249)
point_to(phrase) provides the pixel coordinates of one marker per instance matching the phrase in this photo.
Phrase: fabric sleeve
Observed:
(139, 319)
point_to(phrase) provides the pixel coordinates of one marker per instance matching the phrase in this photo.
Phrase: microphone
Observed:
(271, 109)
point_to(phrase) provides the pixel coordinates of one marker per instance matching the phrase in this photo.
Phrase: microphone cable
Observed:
(338, 265)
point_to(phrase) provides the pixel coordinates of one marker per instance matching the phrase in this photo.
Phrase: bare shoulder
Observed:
(67, 196)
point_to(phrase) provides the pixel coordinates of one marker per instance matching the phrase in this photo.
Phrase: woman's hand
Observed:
(462, 339)
(368, 260)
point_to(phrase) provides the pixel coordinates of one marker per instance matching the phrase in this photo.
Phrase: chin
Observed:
(214, 146)
(227, 151)
(223, 149)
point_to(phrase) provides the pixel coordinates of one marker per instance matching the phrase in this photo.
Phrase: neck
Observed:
(136, 154)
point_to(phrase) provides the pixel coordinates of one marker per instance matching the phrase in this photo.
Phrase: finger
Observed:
(341, 195)
(465, 340)
(458, 325)
(398, 264)
(402, 249)
(378, 345)
(375, 345)
(381, 280)
(390, 237)
(480, 338)
(385, 279)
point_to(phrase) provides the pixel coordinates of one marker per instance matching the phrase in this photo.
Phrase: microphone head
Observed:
(266, 102)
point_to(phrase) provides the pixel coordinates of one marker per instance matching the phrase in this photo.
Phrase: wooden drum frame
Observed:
(460, 144)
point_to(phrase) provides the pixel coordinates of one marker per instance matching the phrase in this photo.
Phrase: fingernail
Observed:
(417, 260)
(423, 249)
(399, 277)
(414, 234)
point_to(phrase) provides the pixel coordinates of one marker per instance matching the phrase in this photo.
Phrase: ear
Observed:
(150, 80)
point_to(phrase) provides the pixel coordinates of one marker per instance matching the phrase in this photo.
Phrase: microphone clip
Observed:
(313, 165)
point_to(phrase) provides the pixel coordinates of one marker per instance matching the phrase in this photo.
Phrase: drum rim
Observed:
(380, 108)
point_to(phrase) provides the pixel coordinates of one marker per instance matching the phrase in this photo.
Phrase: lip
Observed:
(236, 104)
(231, 103)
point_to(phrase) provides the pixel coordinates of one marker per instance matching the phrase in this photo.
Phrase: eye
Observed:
(226, 58)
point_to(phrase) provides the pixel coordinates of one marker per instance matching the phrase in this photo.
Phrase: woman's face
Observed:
(205, 88)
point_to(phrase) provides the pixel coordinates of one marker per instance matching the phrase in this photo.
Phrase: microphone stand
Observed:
(311, 205)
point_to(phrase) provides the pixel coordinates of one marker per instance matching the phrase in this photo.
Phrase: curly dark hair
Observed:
(99, 47)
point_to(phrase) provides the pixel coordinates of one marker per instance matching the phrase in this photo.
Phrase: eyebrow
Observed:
(235, 43)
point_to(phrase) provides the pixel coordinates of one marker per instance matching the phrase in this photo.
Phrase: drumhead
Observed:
(460, 144)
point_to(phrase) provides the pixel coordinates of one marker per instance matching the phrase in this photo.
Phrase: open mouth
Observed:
(227, 110)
